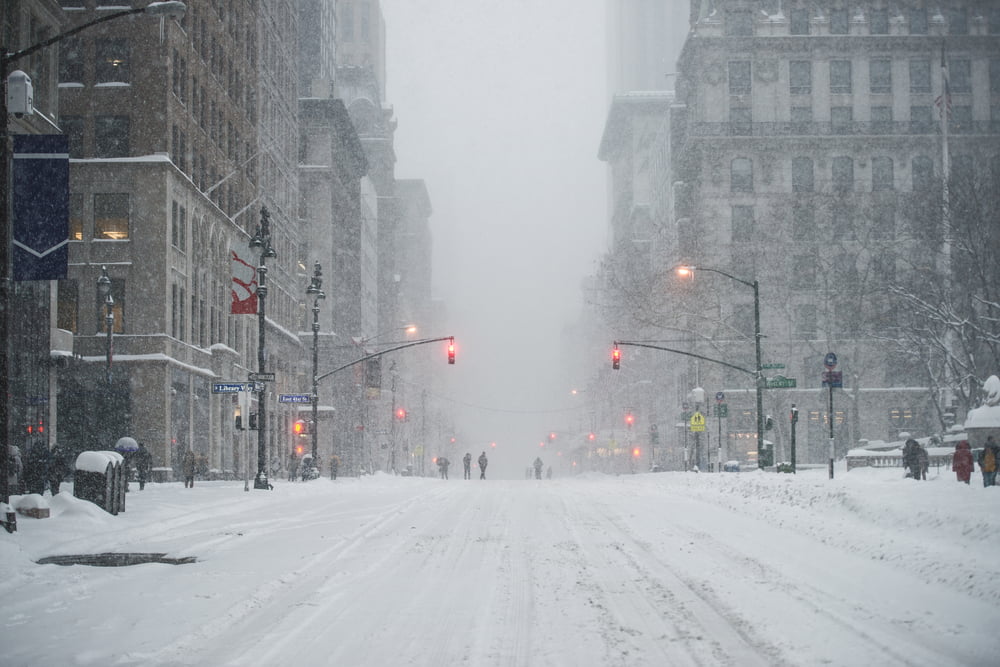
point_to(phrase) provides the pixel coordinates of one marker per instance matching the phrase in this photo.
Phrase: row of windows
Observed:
(917, 20)
(800, 76)
(882, 170)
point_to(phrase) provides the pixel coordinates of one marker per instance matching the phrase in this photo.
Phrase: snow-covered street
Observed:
(654, 569)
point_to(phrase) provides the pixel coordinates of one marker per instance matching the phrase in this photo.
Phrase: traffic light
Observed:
(636, 452)
(629, 418)
(616, 358)
(253, 421)
(451, 352)
(300, 427)
(400, 414)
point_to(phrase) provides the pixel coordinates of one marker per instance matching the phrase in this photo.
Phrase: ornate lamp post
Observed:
(759, 374)
(262, 240)
(314, 290)
(104, 289)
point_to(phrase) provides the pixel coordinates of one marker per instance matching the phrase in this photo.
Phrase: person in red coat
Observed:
(961, 462)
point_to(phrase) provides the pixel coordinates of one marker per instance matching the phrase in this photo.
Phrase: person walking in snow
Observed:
(467, 463)
(293, 466)
(483, 462)
(443, 464)
(187, 466)
(923, 461)
(961, 462)
(911, 458)
(538, 467)
(989, 458)
(143, 465)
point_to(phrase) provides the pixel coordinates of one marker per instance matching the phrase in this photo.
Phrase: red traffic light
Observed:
(451, 352)
(636, 452)
(400, 413)
(616, 358)
(629, 418)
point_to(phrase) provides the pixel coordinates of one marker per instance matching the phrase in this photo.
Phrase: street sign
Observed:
(721, 410)
(697, 422)
(830, 360)
(228, 387)
(261, 377)
(719, 397)
(773, 366)
(833, 379)
(779, 382)
(294, 398)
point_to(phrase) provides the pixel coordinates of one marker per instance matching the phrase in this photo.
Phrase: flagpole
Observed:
(945, 113)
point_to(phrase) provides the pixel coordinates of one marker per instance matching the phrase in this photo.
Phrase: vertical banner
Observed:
(373, 378)
(40, 206)
(244, 286)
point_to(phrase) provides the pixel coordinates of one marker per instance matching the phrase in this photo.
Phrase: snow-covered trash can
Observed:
(99, 479)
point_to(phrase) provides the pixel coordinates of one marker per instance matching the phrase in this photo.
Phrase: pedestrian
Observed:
(293, 466)
(538, 467)
(143, 465)
(334, 466)
(961, 462)
(483, 462)
(923, 461)
(988, 460)
(58, 468)
(467, 463)
(187, 467)
(548, 473)
(443, 464)
(36, 468)
(911, 458)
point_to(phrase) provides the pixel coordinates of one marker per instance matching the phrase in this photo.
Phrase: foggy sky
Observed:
(500, 106)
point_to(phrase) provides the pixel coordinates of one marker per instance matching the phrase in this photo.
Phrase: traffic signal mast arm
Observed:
(687, 354)
(425, 341)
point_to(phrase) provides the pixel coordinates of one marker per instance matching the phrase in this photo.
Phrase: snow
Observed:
(746, 568)
(97, 461)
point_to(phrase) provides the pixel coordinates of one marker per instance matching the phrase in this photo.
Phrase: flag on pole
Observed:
(244, 287)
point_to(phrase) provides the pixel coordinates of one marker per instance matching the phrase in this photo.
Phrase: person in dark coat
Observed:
(911, 458)
(143, 465)
(483, 462)
(58, 468)
(989, 461)
(923, 460)
(443, 464)
(538, 467)
(467, 464)
(36, 468)
(961, 462)
(187, 466)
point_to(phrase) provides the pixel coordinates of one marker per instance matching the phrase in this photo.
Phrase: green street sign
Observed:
(721, 410)
(773, 366)
(779, 382)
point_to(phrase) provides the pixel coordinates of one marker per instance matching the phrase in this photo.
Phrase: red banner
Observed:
(244, 285)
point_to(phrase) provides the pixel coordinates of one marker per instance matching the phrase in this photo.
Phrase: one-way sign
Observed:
(261, 377)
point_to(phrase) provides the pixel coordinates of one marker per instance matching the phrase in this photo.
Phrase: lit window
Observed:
(111, 216)
(112, 62)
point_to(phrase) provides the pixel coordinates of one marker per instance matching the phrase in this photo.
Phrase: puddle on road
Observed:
(114, 559)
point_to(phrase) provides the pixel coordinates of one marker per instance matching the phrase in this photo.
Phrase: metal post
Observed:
(5, 292)
(262, 240)
(831, 430)
(760, 375)
(316, 292)
(795, 420)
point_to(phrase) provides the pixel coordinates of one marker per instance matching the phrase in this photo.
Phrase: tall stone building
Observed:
(805, 150)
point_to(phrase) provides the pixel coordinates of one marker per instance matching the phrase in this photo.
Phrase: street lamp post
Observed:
(262, 241)
(759, 372)
(7, 59)
(104, 289)
(314, 290)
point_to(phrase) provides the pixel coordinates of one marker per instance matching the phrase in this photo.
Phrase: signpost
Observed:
(779, 382)
(721, 410)
(294, 398)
